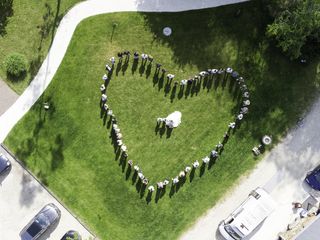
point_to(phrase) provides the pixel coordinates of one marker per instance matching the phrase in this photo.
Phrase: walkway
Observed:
(7, 97)
(22, 197)
(281, 172)
(64, 34)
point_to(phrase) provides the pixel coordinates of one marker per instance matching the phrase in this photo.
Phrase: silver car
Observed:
(48, 216)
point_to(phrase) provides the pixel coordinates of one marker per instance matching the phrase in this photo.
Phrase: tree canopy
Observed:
(296, 24)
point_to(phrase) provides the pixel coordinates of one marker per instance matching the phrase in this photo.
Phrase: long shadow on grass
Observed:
(237, 34)
(6, 11)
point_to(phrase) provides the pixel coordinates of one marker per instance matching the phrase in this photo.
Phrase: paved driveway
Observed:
(281, 172)
(7, 97)
(21, 197)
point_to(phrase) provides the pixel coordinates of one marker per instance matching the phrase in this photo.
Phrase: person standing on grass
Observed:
(112, 60)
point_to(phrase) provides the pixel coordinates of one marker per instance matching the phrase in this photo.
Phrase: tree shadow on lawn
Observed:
(280, 89)
(6, 11)
(199, 36)
(31, 146)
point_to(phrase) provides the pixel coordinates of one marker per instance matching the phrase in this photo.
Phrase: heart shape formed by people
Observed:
(171, 130)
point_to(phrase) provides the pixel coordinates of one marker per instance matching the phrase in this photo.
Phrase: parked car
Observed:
(248, 216)
(5, 164)
(313, 178)
(71, 235)
(48, 216)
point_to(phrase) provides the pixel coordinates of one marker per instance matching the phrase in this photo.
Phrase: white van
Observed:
(258, 206)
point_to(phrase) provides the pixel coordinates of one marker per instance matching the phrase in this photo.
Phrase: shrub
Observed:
(16, 64)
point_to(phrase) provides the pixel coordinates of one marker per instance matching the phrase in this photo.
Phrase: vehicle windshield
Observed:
(3, 163)
(43, 220)
(231, 232)
(317, 176)
(34, 229)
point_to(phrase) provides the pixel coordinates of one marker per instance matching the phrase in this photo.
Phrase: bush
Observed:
(16, 65)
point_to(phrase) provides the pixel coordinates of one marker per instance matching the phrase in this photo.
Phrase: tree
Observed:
(296, 26)
(16, 65)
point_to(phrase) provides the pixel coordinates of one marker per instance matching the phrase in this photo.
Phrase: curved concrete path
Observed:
(64, 34)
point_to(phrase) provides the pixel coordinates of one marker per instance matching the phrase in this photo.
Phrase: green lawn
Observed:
(69, 148)
(22, 34)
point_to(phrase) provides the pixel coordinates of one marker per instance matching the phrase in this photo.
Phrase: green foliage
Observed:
(16, 65)
(295, 25)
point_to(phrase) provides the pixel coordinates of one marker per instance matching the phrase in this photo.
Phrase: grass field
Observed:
(23, 34)
(69, 147)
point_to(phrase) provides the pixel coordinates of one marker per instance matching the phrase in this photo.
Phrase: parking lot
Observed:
(21, 198)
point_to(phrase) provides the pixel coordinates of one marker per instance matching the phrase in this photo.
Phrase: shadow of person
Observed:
(148, 71)
(102, 112)
(134, 177)
(134, 66)
(161, 82)
(118, 68)
(156, 130)
(105, 116)
(202, 169)
(138, 185)
(122, 161)
(142, 190)
(216, 82)
(155, 78)
(128, 172)
(169, 131)
(109, 122)
(173, 93)
(142, 67)
(158, 193)
(209, 84)
(212, 162)
(172, 190)
(149, 197)
(124, 67)
(118, 151)
(193, 170)
(178, 185)
(162, 129)
(205, 82)
(188, 90)
(167, 87)
(180, 94)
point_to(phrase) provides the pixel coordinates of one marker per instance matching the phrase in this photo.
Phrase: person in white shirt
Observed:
(105, 77)
(182, 174)
(112, 60)
(195, 164)
(104, 98)
(175, 180)
(206, 160)
(151, 189)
